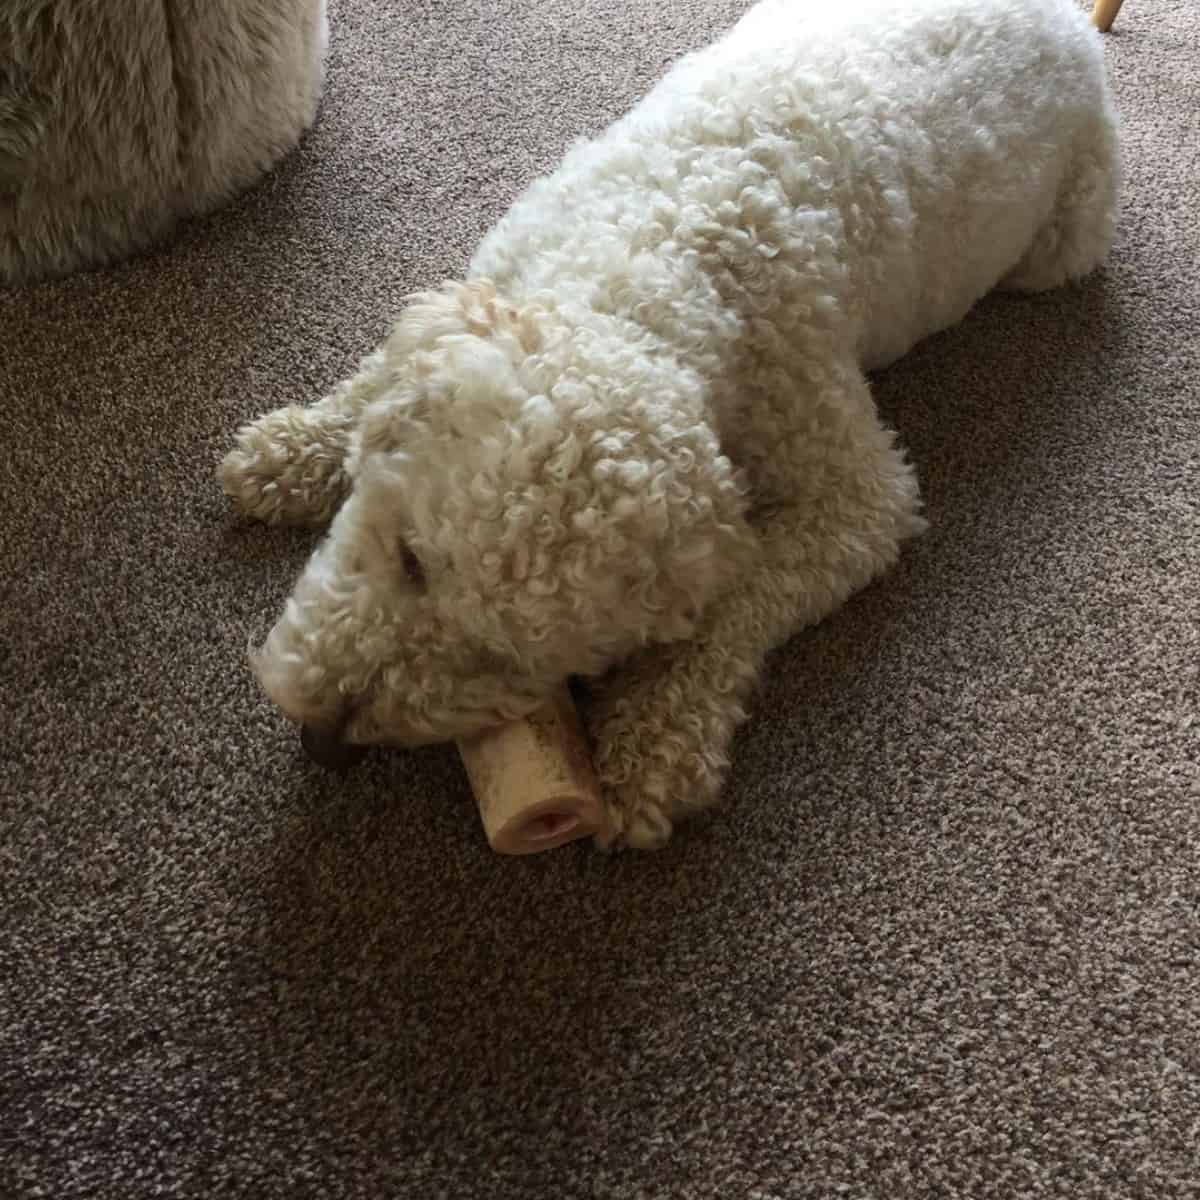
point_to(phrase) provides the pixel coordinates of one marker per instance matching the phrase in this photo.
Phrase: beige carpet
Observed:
(942, 941)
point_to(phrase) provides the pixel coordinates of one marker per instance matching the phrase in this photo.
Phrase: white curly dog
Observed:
(636, 446)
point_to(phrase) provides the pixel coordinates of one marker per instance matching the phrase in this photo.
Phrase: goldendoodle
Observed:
(636, 445)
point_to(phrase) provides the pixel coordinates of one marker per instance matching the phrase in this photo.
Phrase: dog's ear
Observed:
(475, 308)
(451, 363)
(582, 545)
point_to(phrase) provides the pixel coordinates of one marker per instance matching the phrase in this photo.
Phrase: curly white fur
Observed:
(637, 444)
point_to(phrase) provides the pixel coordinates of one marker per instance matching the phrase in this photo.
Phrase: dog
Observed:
(635, 445)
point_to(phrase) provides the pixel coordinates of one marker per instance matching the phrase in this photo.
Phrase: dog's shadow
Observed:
(386, 939)
(969, 400)
(1012, 419)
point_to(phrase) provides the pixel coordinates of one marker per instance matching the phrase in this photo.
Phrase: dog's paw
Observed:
(288, 467)
(634, 822)
(659, 748)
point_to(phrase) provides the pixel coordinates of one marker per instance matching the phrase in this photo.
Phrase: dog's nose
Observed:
(328, 749)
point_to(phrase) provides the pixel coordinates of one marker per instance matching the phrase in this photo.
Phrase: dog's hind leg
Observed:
(289, 466)
(663, 722)
(1077, 237)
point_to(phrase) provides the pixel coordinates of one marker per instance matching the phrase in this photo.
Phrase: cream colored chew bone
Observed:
(533, 781)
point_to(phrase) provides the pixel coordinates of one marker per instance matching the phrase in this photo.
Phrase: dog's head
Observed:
(530, 500)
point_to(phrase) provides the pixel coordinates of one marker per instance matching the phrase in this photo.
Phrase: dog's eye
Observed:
(412, 565)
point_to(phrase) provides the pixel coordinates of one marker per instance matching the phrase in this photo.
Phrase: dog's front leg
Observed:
(663, 722)
(661, 725)
(289, 466)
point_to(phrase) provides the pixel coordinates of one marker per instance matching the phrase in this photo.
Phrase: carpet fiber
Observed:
(943, 938)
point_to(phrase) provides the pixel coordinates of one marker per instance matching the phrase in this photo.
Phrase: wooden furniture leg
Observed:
(1105, 13)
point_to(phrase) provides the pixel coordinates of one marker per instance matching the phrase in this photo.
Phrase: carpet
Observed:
(943, 938)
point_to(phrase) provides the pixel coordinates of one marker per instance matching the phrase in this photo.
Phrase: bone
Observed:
(533, 781)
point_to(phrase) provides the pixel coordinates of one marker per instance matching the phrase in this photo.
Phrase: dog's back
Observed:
(899, 159)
